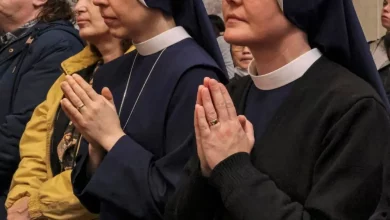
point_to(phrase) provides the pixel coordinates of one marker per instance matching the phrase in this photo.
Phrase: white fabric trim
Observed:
(286, 74)
(143, 2)
(281, 4)
(162, 41)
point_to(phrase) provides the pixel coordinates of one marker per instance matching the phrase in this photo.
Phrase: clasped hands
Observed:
(220, 133)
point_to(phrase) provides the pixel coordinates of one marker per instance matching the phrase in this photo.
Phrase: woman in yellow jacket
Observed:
(41, 187)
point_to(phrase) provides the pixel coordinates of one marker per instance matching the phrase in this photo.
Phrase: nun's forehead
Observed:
(281, 4)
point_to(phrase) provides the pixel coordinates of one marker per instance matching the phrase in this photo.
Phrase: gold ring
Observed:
(214, 122)
(80, 107)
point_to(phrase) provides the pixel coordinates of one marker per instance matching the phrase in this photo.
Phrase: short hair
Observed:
(217, 23)
(54, 10)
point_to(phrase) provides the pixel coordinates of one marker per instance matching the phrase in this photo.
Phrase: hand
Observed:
(96, 156)
(232, 134)
(93, 115)
(19, 211)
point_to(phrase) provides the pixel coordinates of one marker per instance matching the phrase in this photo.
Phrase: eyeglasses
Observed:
(238, 48)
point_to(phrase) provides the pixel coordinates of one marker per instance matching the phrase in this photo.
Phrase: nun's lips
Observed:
(234, 18)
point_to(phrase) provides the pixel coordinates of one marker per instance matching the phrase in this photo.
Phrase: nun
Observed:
(301, 137)
(137, 120)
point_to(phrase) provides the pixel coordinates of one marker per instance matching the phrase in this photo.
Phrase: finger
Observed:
(197, 135)
(79, 91)
(86, 87)
(249, 130)
(231, 109)
(199, 96)
(71, 95)
(106, 93)
(203, 126)
(74, 115)
(206, 82)
(218, 100)
(242, 120)
(211, 113)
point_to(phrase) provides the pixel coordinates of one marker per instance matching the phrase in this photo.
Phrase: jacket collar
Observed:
(80, 61)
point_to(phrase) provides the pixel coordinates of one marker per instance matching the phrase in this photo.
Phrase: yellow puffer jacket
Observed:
(49, 197)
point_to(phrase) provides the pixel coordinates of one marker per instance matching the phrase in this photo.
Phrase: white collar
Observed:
(162, 41)
(286, 74)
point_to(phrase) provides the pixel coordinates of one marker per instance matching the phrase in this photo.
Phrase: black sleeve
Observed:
(194, 198)
(346, 178)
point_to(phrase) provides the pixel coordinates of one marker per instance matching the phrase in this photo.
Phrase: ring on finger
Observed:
(80, 107)
(214, 122)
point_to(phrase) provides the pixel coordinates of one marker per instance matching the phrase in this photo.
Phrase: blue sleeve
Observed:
(32, 89)
(131, 177)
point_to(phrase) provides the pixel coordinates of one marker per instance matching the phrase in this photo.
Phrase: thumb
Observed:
(249, 130)
(242, 119)
(106, 93)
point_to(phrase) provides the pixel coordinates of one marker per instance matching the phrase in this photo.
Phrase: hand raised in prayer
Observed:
(19, 211)
(220, 133)
(93, 115)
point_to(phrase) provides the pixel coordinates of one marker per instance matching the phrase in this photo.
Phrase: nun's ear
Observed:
(280, 2)
(143, 2)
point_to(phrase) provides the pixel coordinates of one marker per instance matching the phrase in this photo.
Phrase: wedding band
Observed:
(80, 107)
(213, 122)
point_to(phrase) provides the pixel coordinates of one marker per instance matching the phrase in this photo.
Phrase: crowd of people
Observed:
(152, 109)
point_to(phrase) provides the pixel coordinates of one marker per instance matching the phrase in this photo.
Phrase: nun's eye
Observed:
(385, 3)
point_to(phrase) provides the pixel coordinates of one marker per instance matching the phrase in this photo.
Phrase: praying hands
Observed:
(220, 133)
(93, 115)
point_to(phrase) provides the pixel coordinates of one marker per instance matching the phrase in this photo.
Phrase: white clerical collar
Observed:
(162, 41)
(286, 74)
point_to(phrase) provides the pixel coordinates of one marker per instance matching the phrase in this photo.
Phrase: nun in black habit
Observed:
(315, 126)
(134, 160)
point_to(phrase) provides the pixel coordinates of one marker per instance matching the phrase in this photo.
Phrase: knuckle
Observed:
(229, 105)
(221, 104)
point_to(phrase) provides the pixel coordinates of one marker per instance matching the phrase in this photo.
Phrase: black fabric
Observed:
(320, 158)
(61, 123)
(192, 15)
(333, 27)
(27, 71)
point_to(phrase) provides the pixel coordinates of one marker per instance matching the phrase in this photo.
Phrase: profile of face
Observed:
(250, 22)
(386, 15)
(123, 17)
(18, 10)
(242, 56)
(89, 20)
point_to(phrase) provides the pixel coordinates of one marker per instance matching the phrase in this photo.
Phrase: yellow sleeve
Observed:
(51, 197)
(32, 170)
(55, 200)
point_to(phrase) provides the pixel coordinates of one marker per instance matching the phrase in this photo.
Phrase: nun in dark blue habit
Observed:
(301, 137)
(139, 121)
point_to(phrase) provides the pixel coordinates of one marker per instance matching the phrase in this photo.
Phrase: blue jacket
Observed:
(28, 68)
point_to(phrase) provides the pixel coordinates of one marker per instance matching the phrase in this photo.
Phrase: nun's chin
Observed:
(236, 37)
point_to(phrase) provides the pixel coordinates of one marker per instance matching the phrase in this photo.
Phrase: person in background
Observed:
(316, 120)
(242, 57)
(380, 49)
(138, 129)
(41, 186)
(219, 29)
(38, 37)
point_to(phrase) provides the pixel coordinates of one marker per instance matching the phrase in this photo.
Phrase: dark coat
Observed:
(27, 71)
(319, 157)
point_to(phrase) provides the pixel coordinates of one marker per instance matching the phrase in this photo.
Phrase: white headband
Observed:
(143, 2)
(279, 1)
